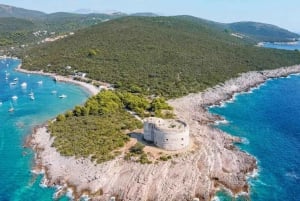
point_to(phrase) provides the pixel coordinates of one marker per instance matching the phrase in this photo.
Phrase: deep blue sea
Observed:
(17, 182)
(268, 118)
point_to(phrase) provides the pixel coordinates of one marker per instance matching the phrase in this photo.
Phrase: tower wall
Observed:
(166, 134)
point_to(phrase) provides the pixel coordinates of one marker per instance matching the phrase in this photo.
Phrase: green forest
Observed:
(98, 128)
(165, 56)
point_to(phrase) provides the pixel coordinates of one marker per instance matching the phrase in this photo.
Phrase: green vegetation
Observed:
(13, 30)
(97, 129)
(92, 136)
(17, 25)
(138, 153)
(10, 11)
(165, 157)
(262, 32)
(164, 56)
(137, 148)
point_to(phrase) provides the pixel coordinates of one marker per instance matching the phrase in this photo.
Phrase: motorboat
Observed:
(24, 85)
(14, 97)
(63, 96)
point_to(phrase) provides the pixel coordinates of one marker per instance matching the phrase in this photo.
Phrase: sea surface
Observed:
(268, 120)
(281, 45)
(17, 181)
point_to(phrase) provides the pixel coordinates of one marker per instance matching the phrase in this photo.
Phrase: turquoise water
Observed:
(285, 46)
(16, 179)
(269, 121)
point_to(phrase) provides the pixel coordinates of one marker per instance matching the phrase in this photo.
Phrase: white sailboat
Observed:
(11, 109)
(31, 95)
(40, 82)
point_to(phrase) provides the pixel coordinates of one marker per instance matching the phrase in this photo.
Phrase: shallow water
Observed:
(284, 46)
(269, 119)
(16, 179)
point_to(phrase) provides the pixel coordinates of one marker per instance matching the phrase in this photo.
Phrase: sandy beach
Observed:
(214, 162)
(93, 90)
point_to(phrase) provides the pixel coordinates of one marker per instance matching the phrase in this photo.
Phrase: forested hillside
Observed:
(17, 25)
(168, 56)
(263, 32)
(11, 11)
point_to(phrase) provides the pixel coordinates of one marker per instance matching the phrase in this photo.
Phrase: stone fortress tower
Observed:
(169, 134)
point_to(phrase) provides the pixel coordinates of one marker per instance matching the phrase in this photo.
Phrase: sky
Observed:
(283, 13)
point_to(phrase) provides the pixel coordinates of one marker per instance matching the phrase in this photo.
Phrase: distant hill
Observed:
(18, 28)
(10, 24)
(62, 21)
(168, 56)
(250, 31)
(15, 31)
(145, 14)
(10, 11)
(262, 32)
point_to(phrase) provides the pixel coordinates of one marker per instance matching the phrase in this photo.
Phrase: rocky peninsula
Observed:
(213, 162)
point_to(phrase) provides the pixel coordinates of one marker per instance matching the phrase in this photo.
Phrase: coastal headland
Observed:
(213, 163)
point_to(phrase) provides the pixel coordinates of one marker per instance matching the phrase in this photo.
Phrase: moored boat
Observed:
(24, 85)
(63, 96)
(14, 97)
(11, 109)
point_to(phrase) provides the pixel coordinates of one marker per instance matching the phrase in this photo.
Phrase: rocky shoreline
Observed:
(214, 162)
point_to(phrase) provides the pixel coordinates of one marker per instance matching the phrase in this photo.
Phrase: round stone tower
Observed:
(169, 134)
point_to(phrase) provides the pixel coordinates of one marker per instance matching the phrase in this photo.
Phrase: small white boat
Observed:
(6, 77)
(40, 82)
(54, 92)
(31, 95)
(24, 85)
(63, 96)
(11, 109)
(14, 97)
(16, 79)
(13, 83)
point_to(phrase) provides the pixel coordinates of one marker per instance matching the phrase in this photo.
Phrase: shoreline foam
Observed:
(215, 163)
